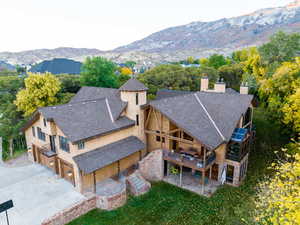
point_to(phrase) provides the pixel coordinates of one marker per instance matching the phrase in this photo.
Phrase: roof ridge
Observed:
(72, 103)
(210, 118)
(109, 110)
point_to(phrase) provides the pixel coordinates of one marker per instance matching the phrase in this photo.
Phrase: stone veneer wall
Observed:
(72, 212)
(152, 166)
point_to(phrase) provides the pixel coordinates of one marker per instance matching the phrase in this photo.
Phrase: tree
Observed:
(216, 61)
(278, 199)
(10, 119)
(40, 90)
(98, 72)
(280, 92)
(69, 83)
(126, 71)
(291, 111)
(176, 77)
(190, 60)
(232, 75)
(281, 48)
(122, 79)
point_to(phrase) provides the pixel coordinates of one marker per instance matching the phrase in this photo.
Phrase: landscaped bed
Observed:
(169, 205)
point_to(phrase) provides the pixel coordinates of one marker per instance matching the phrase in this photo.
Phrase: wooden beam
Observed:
(169, 137)
(157, 121)
(94, 176)
(81, 181)
(174, 130)
(148, 118)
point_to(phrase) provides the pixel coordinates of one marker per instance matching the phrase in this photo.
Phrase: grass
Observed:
(169, 205)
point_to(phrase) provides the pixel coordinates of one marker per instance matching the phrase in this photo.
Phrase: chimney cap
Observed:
(220, 81)
(244, 84)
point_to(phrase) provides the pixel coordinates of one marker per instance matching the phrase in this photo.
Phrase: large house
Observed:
(102, 133)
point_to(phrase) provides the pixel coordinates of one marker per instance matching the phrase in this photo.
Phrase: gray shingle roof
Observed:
(96, 159)
(133, 85)
(90, 93)
(216, 113)
(82, 120)
(165, 93)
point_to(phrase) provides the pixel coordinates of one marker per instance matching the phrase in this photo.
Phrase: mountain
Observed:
(198, 39)
(230, 33)
(57, 66)
(6, 66)
(39, 55)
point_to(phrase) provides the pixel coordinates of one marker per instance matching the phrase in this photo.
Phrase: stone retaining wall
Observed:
(112, 202)
(72, 212)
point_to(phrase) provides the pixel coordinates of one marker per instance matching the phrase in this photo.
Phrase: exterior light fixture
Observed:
(70, 174)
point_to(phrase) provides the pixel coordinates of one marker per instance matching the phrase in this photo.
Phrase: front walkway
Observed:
(192, 183)
(37, 193)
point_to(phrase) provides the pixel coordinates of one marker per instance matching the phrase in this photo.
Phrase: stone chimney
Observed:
(244, 89)
(204, 84)
(220, 86)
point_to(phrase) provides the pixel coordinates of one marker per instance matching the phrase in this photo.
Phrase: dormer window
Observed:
(137, 98)
(45, 122)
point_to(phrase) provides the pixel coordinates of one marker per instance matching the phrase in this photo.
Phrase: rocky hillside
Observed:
(198, 39)
(36, 56)
(231, 33)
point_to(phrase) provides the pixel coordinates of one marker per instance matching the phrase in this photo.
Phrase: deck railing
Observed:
(190, 162)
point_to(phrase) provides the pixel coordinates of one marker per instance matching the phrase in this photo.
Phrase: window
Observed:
(137, 98)
(33, 131)
(137, 120)
(41, 135)
(64, 144)
(45, 122)
(157, 137)
(81, 145)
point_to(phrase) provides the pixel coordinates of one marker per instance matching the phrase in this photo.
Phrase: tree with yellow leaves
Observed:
(40, 90)
(278, 199)
(280, 92)
(126, 71)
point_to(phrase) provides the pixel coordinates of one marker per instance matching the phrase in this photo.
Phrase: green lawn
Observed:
(168, 205)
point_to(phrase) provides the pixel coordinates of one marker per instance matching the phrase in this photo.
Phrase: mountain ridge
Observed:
(198, 39)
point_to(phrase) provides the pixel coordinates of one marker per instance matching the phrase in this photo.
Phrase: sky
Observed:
(105, 25)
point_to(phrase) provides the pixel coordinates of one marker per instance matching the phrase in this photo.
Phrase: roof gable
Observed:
(82, 120)
(133, 85)
(208, 117)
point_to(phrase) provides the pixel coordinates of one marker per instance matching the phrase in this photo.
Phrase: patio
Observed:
(193, 183)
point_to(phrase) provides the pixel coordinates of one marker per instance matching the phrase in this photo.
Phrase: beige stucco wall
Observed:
(132, 109)
(89, 145)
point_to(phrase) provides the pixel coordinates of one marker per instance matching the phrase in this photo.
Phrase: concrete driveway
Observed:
(37, 194)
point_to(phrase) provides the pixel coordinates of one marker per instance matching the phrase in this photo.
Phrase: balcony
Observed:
(189, 161)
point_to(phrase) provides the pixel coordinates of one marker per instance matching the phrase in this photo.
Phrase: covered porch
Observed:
(109, 161)
(191, 173)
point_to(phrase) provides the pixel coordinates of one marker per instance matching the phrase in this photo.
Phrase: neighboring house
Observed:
(104, 132)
